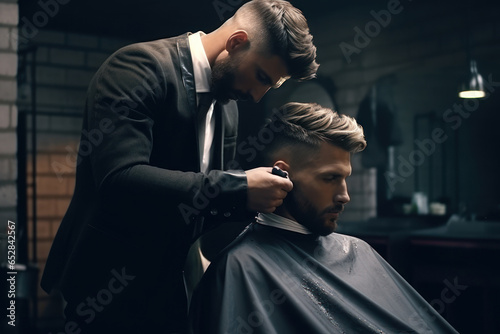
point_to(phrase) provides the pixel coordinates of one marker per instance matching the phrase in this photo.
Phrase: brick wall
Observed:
(8, 118)
(65, 64)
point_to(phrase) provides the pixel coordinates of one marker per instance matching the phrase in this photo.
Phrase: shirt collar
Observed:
(201, 66)
(271, 219)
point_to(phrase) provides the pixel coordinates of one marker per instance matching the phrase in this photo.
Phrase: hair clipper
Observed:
(280, 172)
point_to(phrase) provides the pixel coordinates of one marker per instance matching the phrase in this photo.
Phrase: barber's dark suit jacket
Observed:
(140, 199)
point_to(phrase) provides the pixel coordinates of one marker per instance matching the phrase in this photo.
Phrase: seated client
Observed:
(289, 272)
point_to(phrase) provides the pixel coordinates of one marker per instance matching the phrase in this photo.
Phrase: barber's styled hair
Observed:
(278, 28)
(308, 125)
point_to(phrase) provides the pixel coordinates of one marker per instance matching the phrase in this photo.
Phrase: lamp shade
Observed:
(473, 86)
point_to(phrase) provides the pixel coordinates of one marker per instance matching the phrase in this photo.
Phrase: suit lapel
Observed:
(187, 73)
(226, 116)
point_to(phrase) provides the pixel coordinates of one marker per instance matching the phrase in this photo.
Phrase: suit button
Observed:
(214, 212)
(227, 214)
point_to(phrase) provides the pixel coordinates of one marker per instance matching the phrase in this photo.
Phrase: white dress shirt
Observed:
(202, 79)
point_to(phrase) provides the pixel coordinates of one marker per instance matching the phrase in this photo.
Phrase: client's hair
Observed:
(307, 125)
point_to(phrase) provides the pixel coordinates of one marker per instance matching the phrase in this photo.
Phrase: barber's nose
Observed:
(342, 196)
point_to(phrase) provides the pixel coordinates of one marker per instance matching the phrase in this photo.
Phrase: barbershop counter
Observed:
(454, 264)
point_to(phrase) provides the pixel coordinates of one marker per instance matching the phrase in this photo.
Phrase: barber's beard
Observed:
(223, 80)
(305, 213)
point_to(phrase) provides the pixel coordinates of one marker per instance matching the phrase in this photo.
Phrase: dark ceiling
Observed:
(149, 19)
(146, 19)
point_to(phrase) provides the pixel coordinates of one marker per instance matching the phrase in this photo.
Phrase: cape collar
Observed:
(271, 219)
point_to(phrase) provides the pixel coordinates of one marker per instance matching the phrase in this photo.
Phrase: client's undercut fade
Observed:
(278, 28)
(307, 125)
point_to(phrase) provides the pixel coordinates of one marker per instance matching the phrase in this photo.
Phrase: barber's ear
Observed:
(282, 165)
(237, 40)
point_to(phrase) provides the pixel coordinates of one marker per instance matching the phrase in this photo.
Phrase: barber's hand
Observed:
(265, 190)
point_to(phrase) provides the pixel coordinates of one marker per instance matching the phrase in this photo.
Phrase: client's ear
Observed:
(282, 165)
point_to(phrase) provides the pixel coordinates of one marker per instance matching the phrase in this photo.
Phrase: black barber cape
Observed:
(271, 280)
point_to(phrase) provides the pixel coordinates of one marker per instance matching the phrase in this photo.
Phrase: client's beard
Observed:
(306, 214)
